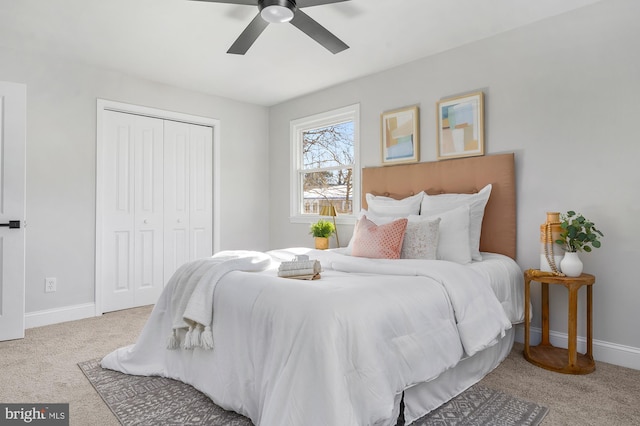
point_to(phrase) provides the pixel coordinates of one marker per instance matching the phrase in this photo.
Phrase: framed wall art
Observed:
(460, 123)
(399, 134)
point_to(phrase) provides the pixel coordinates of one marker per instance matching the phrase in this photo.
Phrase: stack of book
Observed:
(300, 269)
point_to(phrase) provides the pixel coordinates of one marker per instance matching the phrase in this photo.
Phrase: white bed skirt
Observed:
(425, 397)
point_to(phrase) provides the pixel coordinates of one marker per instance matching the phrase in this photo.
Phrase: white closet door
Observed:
(201, 192)
(188, 194)
(176, 196)
(133, 211)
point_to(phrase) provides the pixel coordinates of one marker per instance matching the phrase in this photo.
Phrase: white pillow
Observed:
(453, 232)
(453, 235)
(386, 206)
(435, 204)
(420, 238)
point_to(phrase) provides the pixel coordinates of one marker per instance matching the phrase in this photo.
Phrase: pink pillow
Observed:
(378, 241)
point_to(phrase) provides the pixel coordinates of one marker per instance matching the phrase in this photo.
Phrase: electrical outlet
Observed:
(50, 284)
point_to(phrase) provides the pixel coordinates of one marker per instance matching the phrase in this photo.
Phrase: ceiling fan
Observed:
(280, 11)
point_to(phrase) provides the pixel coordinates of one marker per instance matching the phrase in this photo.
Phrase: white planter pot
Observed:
(571, 264)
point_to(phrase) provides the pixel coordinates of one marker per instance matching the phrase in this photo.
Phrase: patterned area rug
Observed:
(137, 400)
(479, 406)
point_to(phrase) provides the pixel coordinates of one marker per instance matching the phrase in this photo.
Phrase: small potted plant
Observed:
(322, 230)
(578, 234)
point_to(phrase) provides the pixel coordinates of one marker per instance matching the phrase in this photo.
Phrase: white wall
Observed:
(61, 170)
(563, 95)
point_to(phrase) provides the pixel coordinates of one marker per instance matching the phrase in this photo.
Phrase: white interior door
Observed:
(132, 252)
(188, 194)
(176, 196)
(13, 106)
(201, 191)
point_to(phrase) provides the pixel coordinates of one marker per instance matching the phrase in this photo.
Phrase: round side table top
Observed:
(550, 278)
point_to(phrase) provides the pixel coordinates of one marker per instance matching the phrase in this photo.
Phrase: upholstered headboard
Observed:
(464, 175)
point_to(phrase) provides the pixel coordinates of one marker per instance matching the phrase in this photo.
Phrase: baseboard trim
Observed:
(612, 353)
(58, 315)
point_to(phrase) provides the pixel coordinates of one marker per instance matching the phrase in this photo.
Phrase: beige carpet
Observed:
(43, 368)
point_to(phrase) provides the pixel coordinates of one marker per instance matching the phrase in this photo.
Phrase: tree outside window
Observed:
(327, 175)
(325, 149)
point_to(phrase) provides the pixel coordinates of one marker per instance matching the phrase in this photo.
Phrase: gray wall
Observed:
(563, 95)
(61, 170)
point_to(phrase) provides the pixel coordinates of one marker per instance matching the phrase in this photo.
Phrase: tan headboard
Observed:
(466, 176)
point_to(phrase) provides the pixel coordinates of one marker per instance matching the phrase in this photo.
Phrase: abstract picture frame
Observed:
(460, 122)
(400, 135)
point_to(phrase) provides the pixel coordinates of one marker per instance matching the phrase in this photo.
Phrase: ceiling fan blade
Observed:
(248, 2)
(248, 36)
(309, 3)
(313, 29)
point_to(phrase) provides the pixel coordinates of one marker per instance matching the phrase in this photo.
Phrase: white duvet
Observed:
(335, 351)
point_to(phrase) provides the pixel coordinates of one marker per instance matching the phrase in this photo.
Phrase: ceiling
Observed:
(183, 43)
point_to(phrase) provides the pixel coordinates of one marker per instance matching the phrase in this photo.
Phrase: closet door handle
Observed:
(13, 224)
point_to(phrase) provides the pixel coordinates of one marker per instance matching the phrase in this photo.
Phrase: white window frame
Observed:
(297, 129)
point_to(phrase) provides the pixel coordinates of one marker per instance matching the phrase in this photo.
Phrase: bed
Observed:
(370, 338)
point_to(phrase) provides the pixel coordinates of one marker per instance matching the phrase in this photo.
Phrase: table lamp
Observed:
(329, 210)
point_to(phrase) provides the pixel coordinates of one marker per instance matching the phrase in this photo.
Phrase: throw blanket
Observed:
(195, 283)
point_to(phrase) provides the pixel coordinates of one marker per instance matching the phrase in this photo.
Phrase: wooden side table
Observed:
(546, 355)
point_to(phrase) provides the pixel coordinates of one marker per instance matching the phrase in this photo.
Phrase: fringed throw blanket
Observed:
(192, 300)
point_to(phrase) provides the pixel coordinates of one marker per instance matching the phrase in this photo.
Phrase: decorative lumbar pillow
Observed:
(435, 204)
(378, 241)
(453, 235)
(421, 238)
(386, 206)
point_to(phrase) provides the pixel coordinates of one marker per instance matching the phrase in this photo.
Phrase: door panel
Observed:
(201, 191)
(118, 225)
(12, 207)
(188, 194)
(132, 212)
(122, 261)
(149, 210)
(176, 196)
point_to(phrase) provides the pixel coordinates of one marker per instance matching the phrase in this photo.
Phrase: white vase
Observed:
(571, 264)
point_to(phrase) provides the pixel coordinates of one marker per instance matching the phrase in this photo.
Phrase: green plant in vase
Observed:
(322, 230)
(578, 234)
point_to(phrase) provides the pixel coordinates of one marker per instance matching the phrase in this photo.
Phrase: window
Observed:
(325, 169)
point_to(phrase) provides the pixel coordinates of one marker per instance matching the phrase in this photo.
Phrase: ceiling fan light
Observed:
(276, 14)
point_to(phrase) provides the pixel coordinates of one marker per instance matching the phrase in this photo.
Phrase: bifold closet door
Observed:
(133, 220)
(188, 194)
